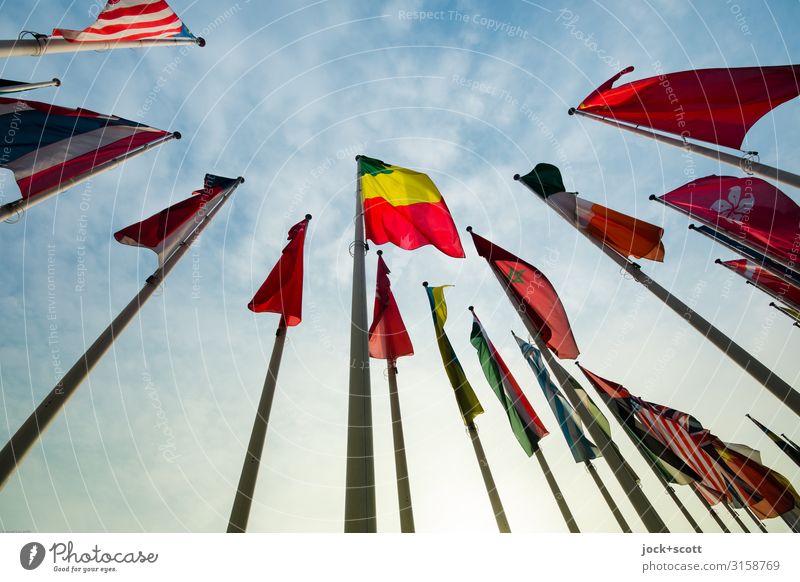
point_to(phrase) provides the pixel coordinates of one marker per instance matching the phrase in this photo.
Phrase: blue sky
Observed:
(286, 94)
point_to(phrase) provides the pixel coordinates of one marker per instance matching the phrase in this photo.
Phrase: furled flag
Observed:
(620, 403)
(124, 20)
(468, 403)
(524, 421)
(404, 207)
(282, 291)
(766, 281)
(166, 230)
(388, 338)
(580, 446)
(748, 209)
(783, 445)
(713, 105)
(533, 296)
(626, 235)
(46, 145)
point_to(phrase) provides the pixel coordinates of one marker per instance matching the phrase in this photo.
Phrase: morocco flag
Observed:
(404, 207)
(388, 338)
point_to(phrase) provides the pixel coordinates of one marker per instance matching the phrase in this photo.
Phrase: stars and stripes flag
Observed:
(126, 20)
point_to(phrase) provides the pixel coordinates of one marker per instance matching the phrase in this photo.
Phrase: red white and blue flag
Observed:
(125, 20)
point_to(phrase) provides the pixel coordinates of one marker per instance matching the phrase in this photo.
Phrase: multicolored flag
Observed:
(404, 207)
(388, 337)
(166, 230)
(46, 145)
(765, 281)
(282, 291)
(124, 20)
(625, 234)
(783, 445)
(468, 403)
(748, 209)
(534, 296)
(580, 446)
(524, 421)
(712, 105)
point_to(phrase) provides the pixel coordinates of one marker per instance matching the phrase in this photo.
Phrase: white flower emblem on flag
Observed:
(736, 207)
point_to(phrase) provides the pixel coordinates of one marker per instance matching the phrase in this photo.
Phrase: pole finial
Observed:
(717, 262)
(379, 252)
(692, 227)
(516, 177)
(57, 81)
(308, 217)
(471, 308)
(651, 197)
(424, 283)
(177, 134)
(571, 111)
(201, 42)
(469, 229)
(358, 157)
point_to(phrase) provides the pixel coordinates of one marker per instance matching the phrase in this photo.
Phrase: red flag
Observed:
(538, 300)
(388, 338)
(713, 105)
(282, 292)
(748, 209)
(766, 281)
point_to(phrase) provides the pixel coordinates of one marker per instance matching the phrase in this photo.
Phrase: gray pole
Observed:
(710, 509)
(359, 503)
(48, 45)
(31, 430)
(612, 505)
(19, 206)
(757, 521)
(556, 490)
(736, 517)
(400, 463)
(488, 480)
(775, 385)
(29, 86)
(240, 513)
(746, 165)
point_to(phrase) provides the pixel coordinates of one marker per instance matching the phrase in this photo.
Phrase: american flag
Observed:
(123, 20)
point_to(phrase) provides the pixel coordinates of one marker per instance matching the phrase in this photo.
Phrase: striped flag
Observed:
(125, 20)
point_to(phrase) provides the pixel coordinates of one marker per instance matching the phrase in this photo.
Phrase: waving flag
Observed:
(524, 421)
(766, 281)
(783, 445)
(166, 230)
(388, 338)
(282, 291)
(124, 20)
(626, 235)
(534, 296)
(404, 207)
(713, 105)
(46, 145)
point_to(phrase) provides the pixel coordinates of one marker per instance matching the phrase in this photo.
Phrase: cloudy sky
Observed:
(285, 94)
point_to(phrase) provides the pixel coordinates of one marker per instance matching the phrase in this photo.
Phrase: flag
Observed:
(533, 295)
(403, 207)
(125, 20)
(388, 338)
(624, 234)
(46, 145)
(468, 403)
(748, 209)
(282, 291)
(793, 313)
(712, 105)
(619, 402)
(766, 281)
(166, 230)
(580, 446)
(787, 448)
(524, 421)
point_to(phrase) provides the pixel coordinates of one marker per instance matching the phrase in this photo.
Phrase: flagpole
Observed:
(19, 206)
(400, 463)
(572, 526)
(745, 164)
(32, 429)
(710, 509)
(783, 310)
(757, 521)
(736, 517)
(612, 505)
(38, 47)
(775, 385)
(359, 504)
(488, 480)
(764, 290)
(29, 86)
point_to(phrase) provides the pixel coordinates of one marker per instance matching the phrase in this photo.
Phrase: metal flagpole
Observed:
(15, 88)
(776, 386)
(786, 312)
(736, 517)
(42, 45)
(400, 463)
(359, 503)
(612, 505)
(745, 164)
(556, 490)
(18, 206)
(757, 521)
(32, 429)
(710, 509)
(488, 480)
(240, 513)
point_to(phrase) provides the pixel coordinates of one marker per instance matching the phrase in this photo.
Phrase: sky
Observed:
(286, 94)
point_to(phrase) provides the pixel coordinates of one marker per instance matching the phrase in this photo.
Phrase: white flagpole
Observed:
(612, 505)
(566, 513)
(19, 206)
(488, 480)
(745, 164)
(32, 429)
(359, 504)
(38, 47)
(29, 86)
